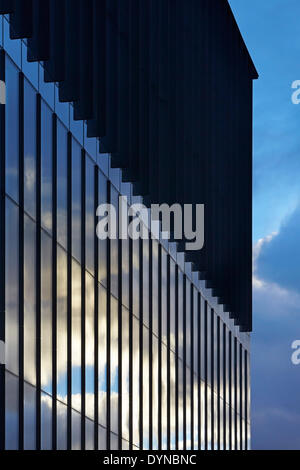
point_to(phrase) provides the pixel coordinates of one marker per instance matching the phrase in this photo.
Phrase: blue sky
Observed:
(271, 31)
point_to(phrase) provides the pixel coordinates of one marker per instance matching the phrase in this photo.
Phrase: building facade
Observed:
(107, 344)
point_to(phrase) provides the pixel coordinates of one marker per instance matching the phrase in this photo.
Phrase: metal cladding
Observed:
(167, 87)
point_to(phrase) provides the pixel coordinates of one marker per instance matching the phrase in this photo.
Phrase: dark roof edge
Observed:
(253, 70)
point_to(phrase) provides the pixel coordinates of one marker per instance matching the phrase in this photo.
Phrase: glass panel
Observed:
(102, 182)
(29, 417)
(180, 405)
(195, 413)
(135, 277)
(146, 282)
(164, 397)
(12, 287)
(125, 445)
(62, 325)
(76, 200)
(102, 354)
(208, 337)
(114, 442)
(46, 313)
(62, 185)
(203, 415)
(12, 129)
(29, 149)
(89, 434)
(216, 344)
(209, 419)
(114, 267)
(29, 301)
(164, 293)
(188, 322)
(136, 381)
(125, 373)
(221, 424)
(11, 412)
(155, 392)
(248, 389)
(145, 388)
(180, 314)
(155, 286)
(90, 215)
(76, 430)
(46, 166)
(172, 306)
(101, 438)
(114, 366)
(173, 400)
(61, 430)
(76, 336)
(202, 338)
(46, 422)
(188, 408)
(125, 272)
(196, 327)
(242, 382)
(227, 429)
(89, 347)
(215, 419)
(233, 433)
(238, 372)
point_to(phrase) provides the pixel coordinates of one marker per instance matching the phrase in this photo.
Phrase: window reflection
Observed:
(29, 301)
(102, 355)
(164, 292)
(180, 314)
(195, 444)
(46, 166)
(89, 434)
(145, 244)
(125, 374)
(46, 313)
(29, 417)
(62, 323)
(172, 305)
(173, 400)
(11, 287)
(12, 129)
(11, 412)
(89, 346)
(76, 336)
(146, 389)
(90, 215)
(135, 277)
(114, 366)
(114, 267)
(76, 430)
(136, 381)
(61, 416)
(102, 275)
(46, 422)
(101, 438)
(154, 392)
(180, 406)
(29, 148)
(62, 186)
(164, 397)
(125, 273)
(155, 286)
(76, 200)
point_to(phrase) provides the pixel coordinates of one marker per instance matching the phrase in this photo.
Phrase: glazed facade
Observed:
(108, 344)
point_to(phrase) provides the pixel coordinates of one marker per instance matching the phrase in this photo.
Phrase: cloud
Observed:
(276, 310)
(278, 257)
